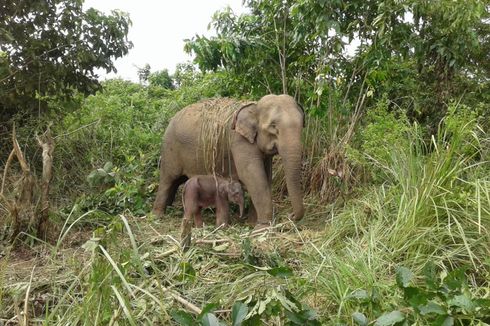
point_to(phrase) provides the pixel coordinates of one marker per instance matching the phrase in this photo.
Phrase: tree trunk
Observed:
(48, 147)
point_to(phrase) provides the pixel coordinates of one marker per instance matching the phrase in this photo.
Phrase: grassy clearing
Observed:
(130, 273)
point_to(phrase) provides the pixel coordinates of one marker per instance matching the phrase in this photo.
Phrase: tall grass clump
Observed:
(428, 203)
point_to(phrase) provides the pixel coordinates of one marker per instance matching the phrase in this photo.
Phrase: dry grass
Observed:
(215, 131)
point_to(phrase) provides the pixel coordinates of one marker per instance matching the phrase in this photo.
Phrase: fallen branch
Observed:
(204, 241)
(188, 305)
(167, 253)
(186, 233)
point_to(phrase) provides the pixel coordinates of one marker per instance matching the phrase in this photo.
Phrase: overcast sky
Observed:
(159, 29)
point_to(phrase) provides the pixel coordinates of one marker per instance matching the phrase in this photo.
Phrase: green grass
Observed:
(427, 201)
(127, 275)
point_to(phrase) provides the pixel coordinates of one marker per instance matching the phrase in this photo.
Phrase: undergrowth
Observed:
(410, 246)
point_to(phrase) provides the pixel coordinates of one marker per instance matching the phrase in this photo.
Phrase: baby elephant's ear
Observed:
(223, 188)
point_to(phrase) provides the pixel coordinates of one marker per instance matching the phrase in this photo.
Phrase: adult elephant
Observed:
(244, 138)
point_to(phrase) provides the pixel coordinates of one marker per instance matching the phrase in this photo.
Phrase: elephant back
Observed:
(215, 132)
(205, 129)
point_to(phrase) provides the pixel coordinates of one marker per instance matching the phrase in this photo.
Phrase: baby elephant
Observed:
(203, 191)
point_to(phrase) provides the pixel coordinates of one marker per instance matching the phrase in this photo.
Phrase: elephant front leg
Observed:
(260, 194)
(252, 173)
(252, 216)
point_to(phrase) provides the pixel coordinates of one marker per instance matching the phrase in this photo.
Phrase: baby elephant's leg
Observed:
(222, 212)
(198, 218)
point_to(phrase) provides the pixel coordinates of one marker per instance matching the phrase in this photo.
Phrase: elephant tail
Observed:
(183, 194)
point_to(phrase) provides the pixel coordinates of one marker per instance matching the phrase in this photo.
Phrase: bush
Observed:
(384, 131)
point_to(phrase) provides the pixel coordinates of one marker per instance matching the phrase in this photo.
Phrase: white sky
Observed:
(159, 29)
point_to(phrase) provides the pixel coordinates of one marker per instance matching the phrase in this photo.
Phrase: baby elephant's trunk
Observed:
(235, 195)
(241, 205)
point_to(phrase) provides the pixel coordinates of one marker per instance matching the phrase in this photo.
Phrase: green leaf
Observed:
(482, 303)
(390, 318)
(254, 321)
(183, 317)
(456, 279)
(462, 301)
(359, 294)
(444, 321)
(360, 319)
(108, 167)
(403, 276)
(307, 316)
(209, 319)
(415, 296)
(281, 272)
(187, 271)
(210, 307)
(91, 244)
(294, 317)
(430, 275)
(238, 313)
(432, 308)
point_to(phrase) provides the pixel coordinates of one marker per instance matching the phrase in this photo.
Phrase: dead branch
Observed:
(47, 145)
(78, 129)
(24, 208)
(19, 154)
(167, 253)
(204, 241)
(7, 165)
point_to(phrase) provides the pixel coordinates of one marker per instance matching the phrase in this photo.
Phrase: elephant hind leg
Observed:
(166, 192)
(173, 189)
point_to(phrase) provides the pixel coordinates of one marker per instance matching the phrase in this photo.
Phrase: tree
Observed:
(52, 49)
(421, 54)
(144, 74)
(161, 78)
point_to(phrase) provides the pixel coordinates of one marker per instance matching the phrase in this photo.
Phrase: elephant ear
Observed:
(245, 122)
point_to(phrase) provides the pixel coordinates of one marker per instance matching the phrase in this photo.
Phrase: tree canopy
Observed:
(53, 48)
(438, 49)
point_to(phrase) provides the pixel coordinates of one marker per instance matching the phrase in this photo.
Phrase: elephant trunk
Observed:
(291, 154)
